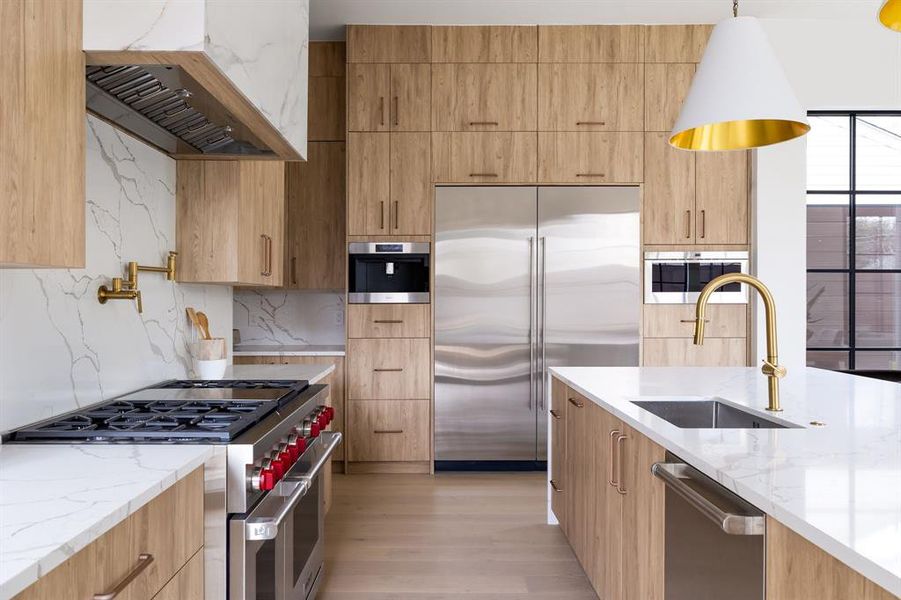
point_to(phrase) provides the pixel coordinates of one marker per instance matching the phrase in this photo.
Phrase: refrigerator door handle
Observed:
(531, 321)
(542, 365)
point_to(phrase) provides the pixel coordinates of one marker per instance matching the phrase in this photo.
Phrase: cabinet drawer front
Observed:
(484, 97)
(388, 321)
(507, 157)
(590, 158)
(187, 583)
(169, 527)
(388, 369)
(677, 320)
(605, 97)
(388, 430)
(681, 352)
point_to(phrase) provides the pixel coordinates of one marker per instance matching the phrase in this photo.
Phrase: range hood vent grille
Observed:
(153, 102)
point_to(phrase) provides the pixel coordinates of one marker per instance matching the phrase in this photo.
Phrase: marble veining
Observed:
(289, 317)
(56, 499)
(839, 486)
(59, 348)
(289, 350)
(143, 25)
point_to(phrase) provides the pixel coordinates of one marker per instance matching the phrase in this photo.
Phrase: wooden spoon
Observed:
(204, 324)
(192, 314)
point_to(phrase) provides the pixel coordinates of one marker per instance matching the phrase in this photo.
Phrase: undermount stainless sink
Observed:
(707, 414)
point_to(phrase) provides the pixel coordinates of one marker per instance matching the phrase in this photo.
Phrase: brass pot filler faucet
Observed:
(771, 366)
(127, 289)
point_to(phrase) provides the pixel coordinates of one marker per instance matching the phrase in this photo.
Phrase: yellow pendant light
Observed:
(739, 97)
(890, 14)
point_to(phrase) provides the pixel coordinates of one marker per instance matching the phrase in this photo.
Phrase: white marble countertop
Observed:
(57, 499)
(287, 350)
(311, 373)
(839, 486)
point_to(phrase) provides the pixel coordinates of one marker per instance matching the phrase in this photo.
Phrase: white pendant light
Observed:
(739, 97)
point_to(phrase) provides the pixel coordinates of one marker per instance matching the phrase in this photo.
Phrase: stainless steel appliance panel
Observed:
(589, 294)
(485, 260)
(678, 277)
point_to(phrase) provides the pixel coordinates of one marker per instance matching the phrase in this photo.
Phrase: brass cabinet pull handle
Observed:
(144, 561)
(611, 471)
(483, 174)
(269, 256)
(294, 270)
(381, 110)
(555, 414)
(396, 215)
(619, 475)
(391, 321)
(687, 224)
(471, 123)
(396, 112)
(387, 370)
(382, 214)
(556, 487)
(575, 403)
(703, 224)
(590, 123)
(387, 431)
(590, 175)
(692, 320)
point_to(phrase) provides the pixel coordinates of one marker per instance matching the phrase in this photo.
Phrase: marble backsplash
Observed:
(59, 348)
(289, 317)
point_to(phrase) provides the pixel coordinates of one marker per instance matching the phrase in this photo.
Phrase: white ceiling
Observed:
(328, 17)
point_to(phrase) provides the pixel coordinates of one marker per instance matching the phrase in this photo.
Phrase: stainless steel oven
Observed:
(388, 272)
(276, 549)
(679, 277)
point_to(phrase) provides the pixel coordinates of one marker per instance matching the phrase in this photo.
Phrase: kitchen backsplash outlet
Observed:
(289, 317)
(59, 348)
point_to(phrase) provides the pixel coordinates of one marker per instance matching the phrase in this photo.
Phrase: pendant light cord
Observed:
(734, 8)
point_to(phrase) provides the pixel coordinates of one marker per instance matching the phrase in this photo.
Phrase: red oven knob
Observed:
(322, 419)
(314, 429)
(331, 413)
(267, 480)
(296, 446)
(278, 467)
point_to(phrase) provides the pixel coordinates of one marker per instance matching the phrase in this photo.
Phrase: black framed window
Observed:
(854, 240)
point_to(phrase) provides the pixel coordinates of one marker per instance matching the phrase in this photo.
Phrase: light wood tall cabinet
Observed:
(484, 97)
(388, 97)
(42, 163)
(326, 117)
(230, 222)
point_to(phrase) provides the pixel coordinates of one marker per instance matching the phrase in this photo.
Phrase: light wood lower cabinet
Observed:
(590, 157)
(581, 476)
(388, 369)
(681, 352)
(388, 430)
(187, 583)
(558, 463)
(169, 527)
(389, 321)
(484, 157)
(678, 320)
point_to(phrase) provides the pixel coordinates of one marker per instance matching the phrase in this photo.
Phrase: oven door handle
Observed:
(331, 439)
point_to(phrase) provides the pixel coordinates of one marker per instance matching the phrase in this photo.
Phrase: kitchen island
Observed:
(833, 476)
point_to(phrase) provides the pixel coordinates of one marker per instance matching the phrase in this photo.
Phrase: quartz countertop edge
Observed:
(769, 467)
(55, 499)
(288, 350)
(306, 372)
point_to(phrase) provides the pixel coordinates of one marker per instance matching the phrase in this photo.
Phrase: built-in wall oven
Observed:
(388, 272)
(679, 277)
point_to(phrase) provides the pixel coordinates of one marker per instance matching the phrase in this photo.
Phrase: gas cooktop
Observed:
(174, 412)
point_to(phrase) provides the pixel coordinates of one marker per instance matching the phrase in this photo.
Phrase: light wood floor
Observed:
(471, 536)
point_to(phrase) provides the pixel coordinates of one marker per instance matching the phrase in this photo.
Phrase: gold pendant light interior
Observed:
(739, 135)
(890, 14)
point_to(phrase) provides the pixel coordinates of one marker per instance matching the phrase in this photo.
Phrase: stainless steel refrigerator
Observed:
(526, 278)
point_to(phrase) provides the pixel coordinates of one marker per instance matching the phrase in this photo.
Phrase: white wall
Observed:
(59, 347)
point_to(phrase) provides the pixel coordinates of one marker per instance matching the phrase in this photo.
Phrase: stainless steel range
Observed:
(263, 535)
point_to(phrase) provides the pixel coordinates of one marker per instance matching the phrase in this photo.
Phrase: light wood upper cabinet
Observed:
(484, 97)
(666, 86)
(315, 219)
(668, 199)
(484, 44)
(484, 157)
(389, 369)
(590, 97)
(368, 183)
(388, 44)
(590, 43)
(368, 97)
(230, 222)
(42, 164)
(676, 43)
(410, 209)
(722, 197)
(590, 157)
(326, 119)
(410, 97)
(388, 431)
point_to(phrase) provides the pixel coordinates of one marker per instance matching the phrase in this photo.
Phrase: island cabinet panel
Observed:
(675, 43)
(484, 97)
(485, 44)
(590, 158)
(682, 352)
(169, 527)
(389, 431)
(581, 476)
(558, 467)
(605, 568)
(678, 321)
(388, 44)
(484, 157)
(388, 369)
(796, 569)
(389, 321)
(187, 583)
(584, 97)
(666, 86)
(590, 43)
(42, 132)
(326, 117)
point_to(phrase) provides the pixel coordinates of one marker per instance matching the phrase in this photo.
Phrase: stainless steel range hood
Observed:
(164, 106)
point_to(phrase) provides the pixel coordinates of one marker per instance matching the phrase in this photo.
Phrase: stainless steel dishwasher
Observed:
(714, 540)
